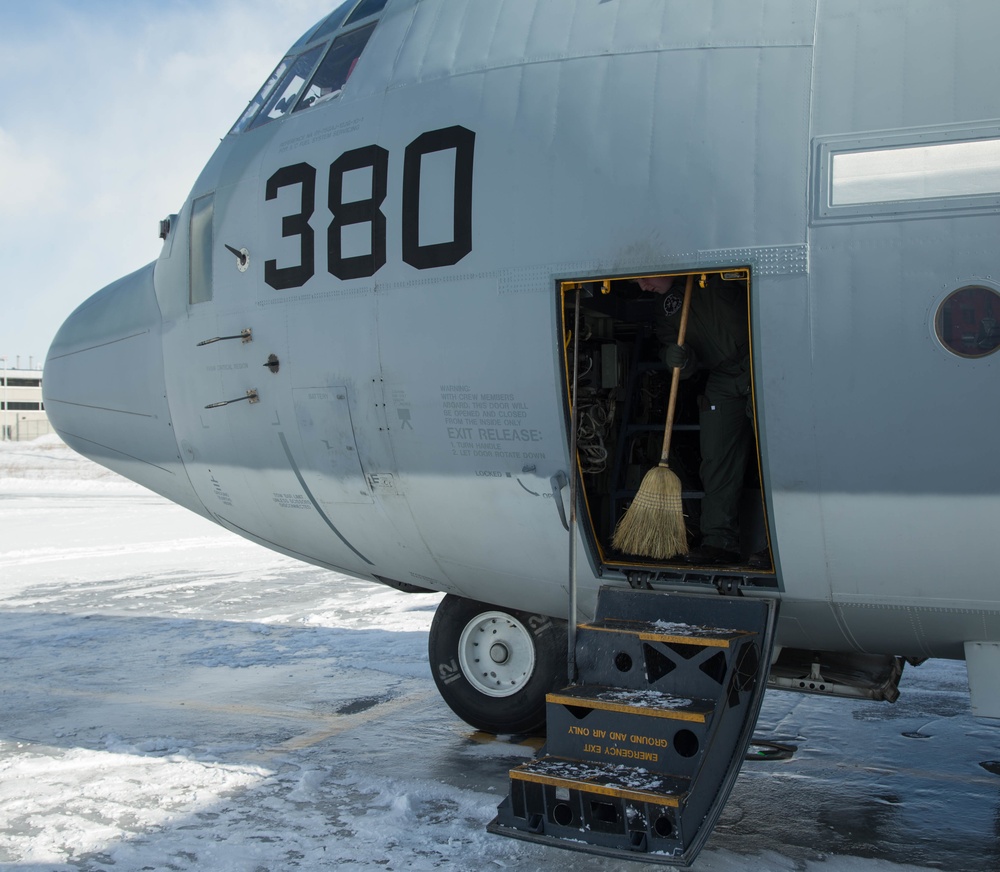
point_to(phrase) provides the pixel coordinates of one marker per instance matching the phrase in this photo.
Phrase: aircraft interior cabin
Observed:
(623, 387)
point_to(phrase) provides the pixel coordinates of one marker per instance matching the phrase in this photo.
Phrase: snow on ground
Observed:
(175, 698)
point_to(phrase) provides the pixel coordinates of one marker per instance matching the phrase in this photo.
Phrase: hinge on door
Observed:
(638, 580)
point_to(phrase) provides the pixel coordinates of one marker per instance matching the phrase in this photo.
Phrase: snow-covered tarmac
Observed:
(175, 698)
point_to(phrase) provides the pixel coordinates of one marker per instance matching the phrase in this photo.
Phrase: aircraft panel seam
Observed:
(117, 451)
(521, 63)
(98, 345)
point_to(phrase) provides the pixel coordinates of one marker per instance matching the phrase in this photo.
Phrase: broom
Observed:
(653, 525)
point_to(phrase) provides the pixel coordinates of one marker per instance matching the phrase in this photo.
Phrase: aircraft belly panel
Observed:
(922, 630)
(237, 455)
(904, 429)
(330, 462)
(876, 548)
(337, 418)
(478, 432)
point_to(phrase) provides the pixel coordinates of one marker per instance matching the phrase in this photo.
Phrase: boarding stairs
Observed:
(642, 753)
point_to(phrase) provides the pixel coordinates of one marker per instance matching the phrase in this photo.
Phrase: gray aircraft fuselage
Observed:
(401, 249)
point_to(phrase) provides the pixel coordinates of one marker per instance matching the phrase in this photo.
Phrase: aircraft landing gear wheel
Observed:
(493, 666)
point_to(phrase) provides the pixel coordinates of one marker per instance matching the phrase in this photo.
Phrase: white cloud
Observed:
(28, 179)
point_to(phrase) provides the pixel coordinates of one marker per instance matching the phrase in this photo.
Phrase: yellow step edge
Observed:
(704, 641)
(601, 789)
(685, 640)
(588, 702)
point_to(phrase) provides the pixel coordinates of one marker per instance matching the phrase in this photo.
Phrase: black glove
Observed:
(674, 356)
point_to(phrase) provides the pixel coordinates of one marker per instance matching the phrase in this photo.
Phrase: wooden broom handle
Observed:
(676, 379)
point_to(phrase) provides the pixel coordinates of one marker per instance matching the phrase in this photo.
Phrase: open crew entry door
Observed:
(623, 387)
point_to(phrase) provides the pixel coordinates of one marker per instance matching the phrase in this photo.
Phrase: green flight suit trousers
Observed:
(726, 442)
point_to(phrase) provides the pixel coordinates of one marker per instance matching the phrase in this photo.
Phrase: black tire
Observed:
(507, 696)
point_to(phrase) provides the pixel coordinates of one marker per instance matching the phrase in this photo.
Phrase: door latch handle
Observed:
(558, 482)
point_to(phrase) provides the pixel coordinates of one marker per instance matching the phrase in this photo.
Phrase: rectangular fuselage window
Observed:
(948, 169)
(202, 212)
(916, 173)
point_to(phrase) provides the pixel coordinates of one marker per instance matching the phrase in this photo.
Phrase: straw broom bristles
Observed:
(653, 525)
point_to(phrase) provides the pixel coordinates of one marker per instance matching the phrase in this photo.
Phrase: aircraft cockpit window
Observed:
(202, 216)
(261, 97)
(285, 95)
(968, 322)
(366, 8)
(332, 22)
(336, 68)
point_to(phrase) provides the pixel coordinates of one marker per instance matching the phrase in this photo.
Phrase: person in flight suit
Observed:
(717, 340)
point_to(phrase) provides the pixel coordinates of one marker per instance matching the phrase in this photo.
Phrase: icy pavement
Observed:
(175, 698)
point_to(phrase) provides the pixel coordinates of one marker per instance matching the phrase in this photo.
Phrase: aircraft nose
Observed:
(104, 388)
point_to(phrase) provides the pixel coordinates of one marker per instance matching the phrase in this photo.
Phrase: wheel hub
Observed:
(496, 654)
(499, 653)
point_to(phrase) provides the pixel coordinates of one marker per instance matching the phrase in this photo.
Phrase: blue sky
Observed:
(110, 109)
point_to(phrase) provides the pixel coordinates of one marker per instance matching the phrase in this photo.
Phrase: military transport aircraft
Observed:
(397, 330)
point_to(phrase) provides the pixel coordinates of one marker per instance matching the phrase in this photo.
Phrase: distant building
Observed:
(22, 412)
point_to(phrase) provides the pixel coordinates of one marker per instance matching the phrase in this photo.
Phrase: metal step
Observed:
(607, 779)
(624, 812)
(670, 631)
(641, 755)
(658, 731)
(648, 703)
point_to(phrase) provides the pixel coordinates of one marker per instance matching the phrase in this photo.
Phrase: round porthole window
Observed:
(968, 321)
